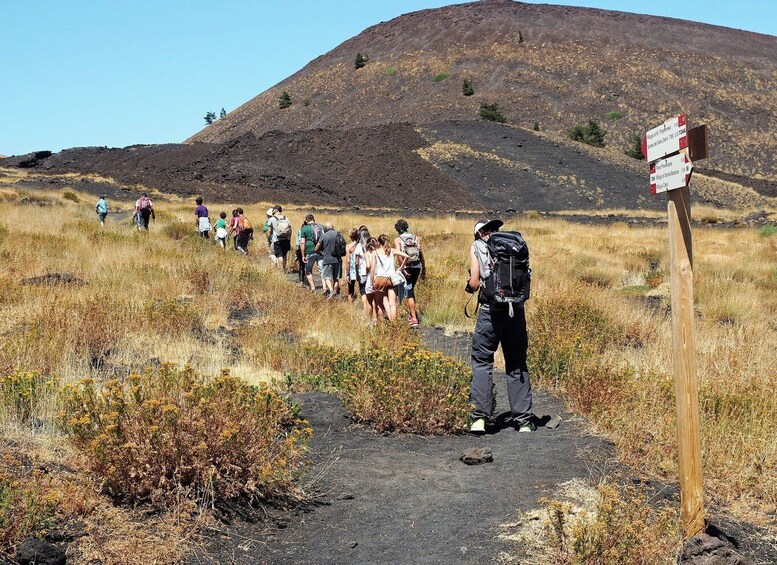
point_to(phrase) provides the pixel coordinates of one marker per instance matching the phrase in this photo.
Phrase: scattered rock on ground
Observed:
(704, 549)
(39, 552)
(53, 279)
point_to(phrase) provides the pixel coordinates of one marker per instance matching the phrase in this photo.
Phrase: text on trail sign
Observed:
(670, 173)
(668, 138)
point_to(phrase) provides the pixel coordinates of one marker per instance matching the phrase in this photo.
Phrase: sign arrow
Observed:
(670, 173)
(670, 137)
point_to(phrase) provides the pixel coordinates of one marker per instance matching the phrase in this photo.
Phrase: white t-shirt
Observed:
(358, 253)
(384, 264)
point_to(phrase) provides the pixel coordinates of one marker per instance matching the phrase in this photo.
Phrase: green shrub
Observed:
(536, 126)
(467, 88)
(768, 230)
(440, 77)
(491, 112)
(590, 134)
(72, 196)
(172, 433)
(284, 100)
(635, 149)
(614, 115)
(360, 60)
(391, 71)
(21, 393)
(408, 390)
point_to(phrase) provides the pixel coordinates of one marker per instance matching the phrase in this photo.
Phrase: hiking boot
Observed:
(478, 426)
(527, 427)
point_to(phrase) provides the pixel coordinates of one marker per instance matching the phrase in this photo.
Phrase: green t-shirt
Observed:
(221, 223)
(307, 233)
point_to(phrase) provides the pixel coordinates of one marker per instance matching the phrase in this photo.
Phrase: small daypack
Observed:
(411, 248)
(245, 225)
(339, 245)
(510, 278)
(283, 228)
(318, 231)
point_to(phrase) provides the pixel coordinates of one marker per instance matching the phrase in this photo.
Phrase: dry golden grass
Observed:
(622, 273)
(149, 298)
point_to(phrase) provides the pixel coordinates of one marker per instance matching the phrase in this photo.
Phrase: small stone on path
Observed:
(476, 456)
(553, 423)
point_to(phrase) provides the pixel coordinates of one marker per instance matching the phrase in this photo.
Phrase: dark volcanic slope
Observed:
(514, 168)
(575, 64)
(464, 165)
(374, 166)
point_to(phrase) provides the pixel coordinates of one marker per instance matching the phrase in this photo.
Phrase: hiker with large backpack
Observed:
(499, 272)
(413, 267)
(144, 211)
(310, 234)
(280, 236)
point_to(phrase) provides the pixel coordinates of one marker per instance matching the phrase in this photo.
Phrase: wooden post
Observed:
(684, 360)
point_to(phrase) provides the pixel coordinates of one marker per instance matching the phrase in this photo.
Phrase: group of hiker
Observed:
(386, 271)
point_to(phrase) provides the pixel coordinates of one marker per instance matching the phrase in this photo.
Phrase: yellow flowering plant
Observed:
(21, 392)
(172, 432)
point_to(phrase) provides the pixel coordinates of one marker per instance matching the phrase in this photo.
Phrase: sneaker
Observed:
(527, 427)
(478, 426)
(413, 323)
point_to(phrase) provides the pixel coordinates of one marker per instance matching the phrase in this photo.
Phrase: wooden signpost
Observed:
(669, 149)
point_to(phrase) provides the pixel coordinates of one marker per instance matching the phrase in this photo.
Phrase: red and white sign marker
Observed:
(670, 173)
(670, 137)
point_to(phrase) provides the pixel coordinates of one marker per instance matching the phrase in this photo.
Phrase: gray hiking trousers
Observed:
(495, 326)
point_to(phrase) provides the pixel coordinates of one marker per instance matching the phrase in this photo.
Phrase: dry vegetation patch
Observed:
(598, 326)
(606, 523)
(600, 335)
(171, 434)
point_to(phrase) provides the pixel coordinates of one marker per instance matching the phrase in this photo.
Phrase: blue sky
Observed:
(115, 73)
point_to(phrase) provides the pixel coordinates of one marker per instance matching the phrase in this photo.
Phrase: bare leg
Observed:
(391, 296)
(380, 306)
(411, 308)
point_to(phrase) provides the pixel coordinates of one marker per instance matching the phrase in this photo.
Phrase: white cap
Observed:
(269, 212)
(489, 225)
